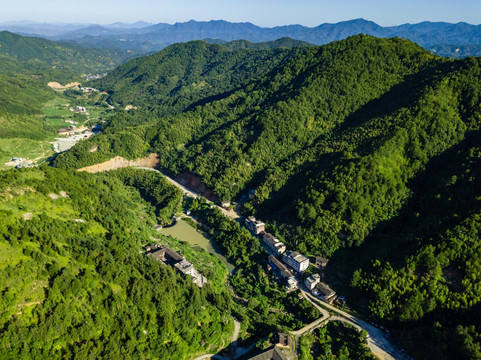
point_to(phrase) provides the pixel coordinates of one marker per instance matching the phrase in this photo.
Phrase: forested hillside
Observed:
(74, 284)
(185, 75)
(62, 56)
(364, 149)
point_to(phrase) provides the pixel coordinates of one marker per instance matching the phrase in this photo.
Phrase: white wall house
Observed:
(296, 261)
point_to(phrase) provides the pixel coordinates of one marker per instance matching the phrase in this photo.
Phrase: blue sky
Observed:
(260, 12)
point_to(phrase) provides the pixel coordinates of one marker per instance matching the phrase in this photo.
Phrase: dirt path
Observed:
(119, 162)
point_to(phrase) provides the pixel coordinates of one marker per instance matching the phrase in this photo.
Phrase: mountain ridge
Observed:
(158, 36)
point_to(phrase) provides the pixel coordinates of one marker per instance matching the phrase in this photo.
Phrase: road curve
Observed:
(377, 341)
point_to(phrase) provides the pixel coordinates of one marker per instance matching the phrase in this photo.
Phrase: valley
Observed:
(362, 154)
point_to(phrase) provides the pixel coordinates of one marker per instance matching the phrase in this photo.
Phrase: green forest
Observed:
(344, 145)
(74, 284)
(60, 56)
(365, 151)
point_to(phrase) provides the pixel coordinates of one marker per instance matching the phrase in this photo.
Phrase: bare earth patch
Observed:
(59, 87)
(118, 162)
(27, 216)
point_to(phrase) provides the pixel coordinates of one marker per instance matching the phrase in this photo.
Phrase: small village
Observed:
(288, 267)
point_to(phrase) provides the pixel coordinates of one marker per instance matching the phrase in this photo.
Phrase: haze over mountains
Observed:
(142, 36)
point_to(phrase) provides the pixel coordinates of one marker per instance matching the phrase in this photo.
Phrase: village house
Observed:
(184, 267)
(321, 262)
(79, 109)
(225, 205)
(283, 340)
(65, 131)
(324, 292)
(274, 353)
(284, 272)
(254, 226)
(295, 260)
(177, 261)
(273, 243)
(312, 281)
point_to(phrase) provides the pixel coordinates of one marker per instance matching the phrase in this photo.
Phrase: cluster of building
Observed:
(292, 262)
(93, 76)
(169, 257)
(88, 89)
(79, 110)
(317, 288)
(18, 163)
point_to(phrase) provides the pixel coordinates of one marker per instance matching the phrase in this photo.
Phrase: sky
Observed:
(265, 13)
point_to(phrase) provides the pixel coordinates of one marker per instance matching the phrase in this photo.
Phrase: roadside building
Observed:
(184, 267)
(273, 353)
(225, 205)
(283, 272)
(64, 131)
(254, 226)
(324, 292)
(312, 281)
(296, 261)
(273, 243)
(283, 340)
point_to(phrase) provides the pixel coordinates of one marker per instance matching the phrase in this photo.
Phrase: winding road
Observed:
(377, 340)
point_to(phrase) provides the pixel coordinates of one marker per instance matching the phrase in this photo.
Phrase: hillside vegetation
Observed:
(74, 284)
(364, 149)
(61, 56)
(185, 75)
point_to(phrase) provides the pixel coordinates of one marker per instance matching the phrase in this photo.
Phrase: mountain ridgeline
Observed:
(145, 38)
(61, 56)
(364, 149)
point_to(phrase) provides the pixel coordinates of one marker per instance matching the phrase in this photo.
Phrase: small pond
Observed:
(197, 239)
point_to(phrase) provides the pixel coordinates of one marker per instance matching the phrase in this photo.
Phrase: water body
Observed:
(197, 239)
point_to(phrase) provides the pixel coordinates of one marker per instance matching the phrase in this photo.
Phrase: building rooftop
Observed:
(270, 354)
(314, 278)
(297, 256)
(325, 290)
(254, 221)
(271, 239)
(184, 266)
(283, 340)
(285, 272)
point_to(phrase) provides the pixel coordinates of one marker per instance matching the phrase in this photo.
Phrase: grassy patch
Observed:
(24, 148)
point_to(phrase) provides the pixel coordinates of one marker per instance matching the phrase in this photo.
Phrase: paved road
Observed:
(316, 323)
(229, 213)
(377, 341)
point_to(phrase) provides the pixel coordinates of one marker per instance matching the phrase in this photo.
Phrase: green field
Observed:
(24, 148)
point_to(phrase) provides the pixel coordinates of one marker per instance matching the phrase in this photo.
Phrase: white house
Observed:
(273, 243)
(296, 261)
(312, 281)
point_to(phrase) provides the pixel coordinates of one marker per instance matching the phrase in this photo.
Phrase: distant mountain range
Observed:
(145, 37)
